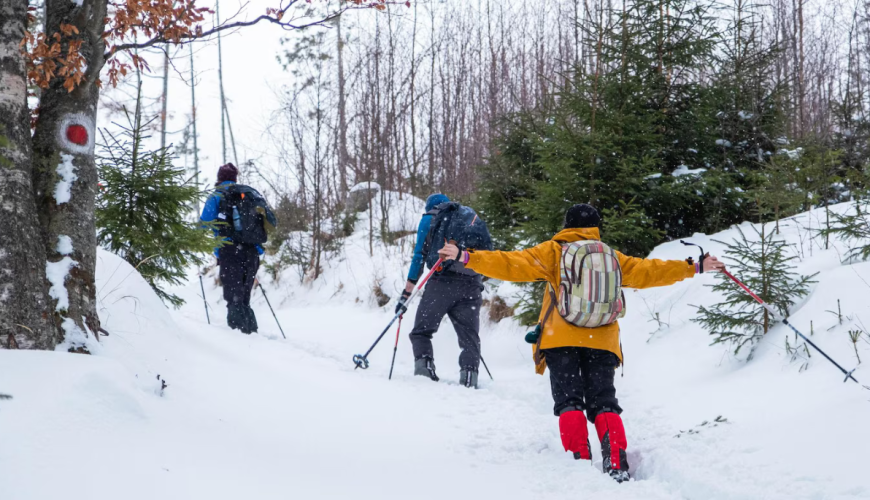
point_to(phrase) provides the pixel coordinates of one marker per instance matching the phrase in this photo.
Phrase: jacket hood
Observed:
(434, 200)
(573, 234)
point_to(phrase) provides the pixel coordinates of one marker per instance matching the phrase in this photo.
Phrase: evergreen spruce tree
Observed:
(628, 130)
(821, 177)
(762, 263)
(852, 227)
(749, 97)
(629, 229)
(643, 125)
(509, 177)
(144, 208)
(777, 193)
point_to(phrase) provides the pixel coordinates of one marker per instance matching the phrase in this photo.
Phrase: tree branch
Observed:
(239, 24)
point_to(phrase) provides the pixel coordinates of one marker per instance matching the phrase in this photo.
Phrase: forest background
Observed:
(672, 117)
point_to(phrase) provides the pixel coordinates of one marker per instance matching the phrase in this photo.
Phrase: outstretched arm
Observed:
(649, 273)
(533, 264)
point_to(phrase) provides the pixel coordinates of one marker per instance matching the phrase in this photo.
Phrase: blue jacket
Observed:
(210, 212)
(423, 231)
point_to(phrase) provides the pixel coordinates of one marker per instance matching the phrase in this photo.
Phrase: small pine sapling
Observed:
(840, 316)
(855, 336)
(796, 352)
(144, 209)
(763, 265)
(854, 229)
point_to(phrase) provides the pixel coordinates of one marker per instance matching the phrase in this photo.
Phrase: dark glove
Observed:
(401, 307)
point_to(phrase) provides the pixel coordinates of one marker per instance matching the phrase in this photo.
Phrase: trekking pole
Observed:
(484, 365)
(795, 330)
(361, 360)
(775, 314)
(204, 302)
(270, 308)
(395, 348)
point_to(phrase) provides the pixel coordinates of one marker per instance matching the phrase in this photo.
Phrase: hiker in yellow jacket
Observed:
(582, 361)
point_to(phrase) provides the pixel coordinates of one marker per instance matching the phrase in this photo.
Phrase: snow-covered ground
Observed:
(262, 417)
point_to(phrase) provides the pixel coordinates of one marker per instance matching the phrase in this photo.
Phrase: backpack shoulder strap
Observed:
(539, 354)
(427, 243)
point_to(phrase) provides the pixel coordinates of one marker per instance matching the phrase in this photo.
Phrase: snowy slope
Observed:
(263, 417)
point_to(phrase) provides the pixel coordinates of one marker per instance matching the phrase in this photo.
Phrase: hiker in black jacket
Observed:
(455, 292)
(242, 216)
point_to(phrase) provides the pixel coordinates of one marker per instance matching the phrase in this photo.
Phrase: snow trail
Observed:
(262, 417)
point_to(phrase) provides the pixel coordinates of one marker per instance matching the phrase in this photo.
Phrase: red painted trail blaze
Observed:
(77, 134)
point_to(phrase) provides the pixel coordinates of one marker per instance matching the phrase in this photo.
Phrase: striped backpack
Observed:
(590, 289)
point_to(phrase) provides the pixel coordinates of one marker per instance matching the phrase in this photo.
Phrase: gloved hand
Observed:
(401, 307)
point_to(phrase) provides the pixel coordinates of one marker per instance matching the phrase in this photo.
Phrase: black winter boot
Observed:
(621, 474)
(425, 366)
(468, 377)
(611, 432)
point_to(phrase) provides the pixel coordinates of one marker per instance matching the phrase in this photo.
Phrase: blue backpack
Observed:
(454, 222)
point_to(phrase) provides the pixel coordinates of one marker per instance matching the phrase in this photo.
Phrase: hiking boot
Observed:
(619, 475)
(468, 377)
(425, 366)
(613, 445)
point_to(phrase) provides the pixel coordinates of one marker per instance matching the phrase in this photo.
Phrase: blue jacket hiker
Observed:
(243, 218)
(455, 292)
(210, 213)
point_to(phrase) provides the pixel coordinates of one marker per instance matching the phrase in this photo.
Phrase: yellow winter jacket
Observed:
(541, 263)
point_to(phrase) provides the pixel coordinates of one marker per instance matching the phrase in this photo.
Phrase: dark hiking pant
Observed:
(459, 297)
(582, 378)
(239, 264)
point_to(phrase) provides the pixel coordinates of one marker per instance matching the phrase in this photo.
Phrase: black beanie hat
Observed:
(227, 172)
(582, 215)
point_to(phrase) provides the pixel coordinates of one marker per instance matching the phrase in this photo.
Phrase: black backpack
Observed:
(243, 214)
(454, 222)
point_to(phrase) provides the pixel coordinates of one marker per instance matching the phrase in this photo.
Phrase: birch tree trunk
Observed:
(23, 297)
